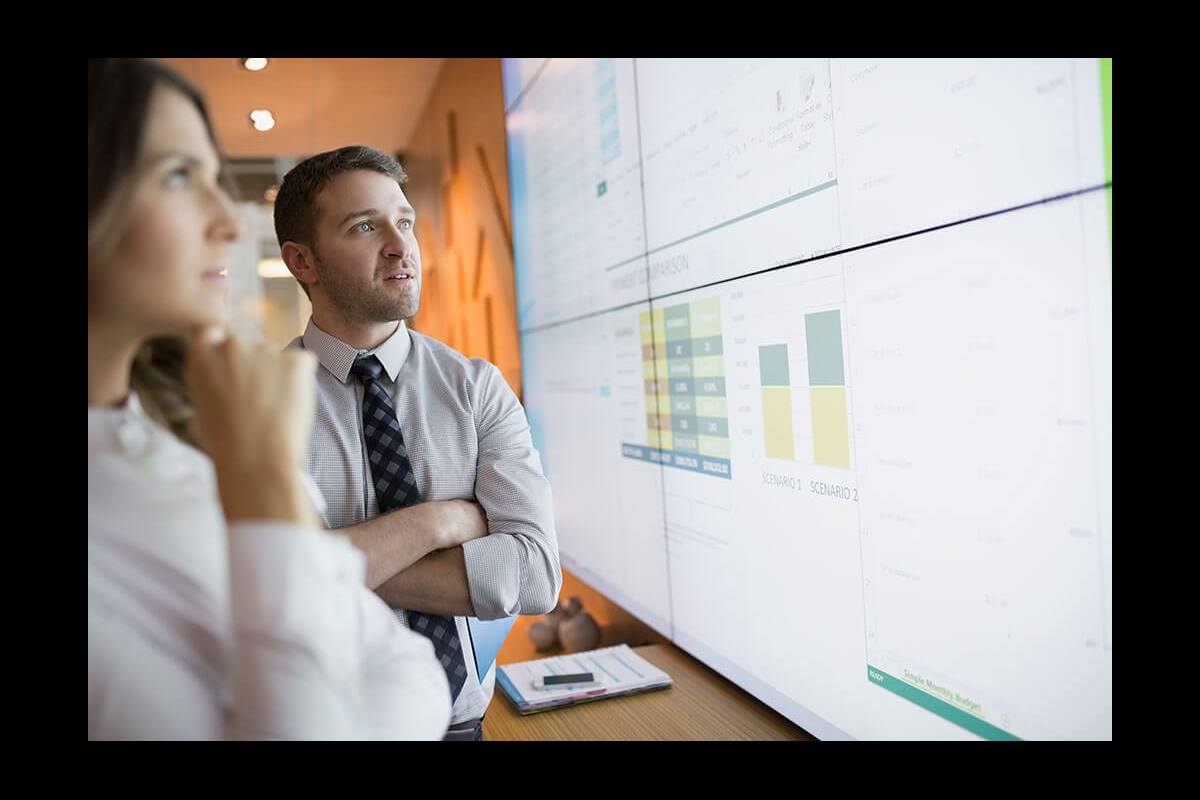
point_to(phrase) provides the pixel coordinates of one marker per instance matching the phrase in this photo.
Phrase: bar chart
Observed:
(823, 355)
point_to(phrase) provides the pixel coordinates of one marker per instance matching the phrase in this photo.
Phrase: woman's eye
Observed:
(177, 177)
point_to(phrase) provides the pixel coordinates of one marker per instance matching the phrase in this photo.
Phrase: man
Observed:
(423, 455)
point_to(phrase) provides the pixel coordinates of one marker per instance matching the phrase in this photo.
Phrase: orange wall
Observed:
(458, 184)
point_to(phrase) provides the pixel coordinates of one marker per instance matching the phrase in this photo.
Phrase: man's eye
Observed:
(363, 227)
(405, 224)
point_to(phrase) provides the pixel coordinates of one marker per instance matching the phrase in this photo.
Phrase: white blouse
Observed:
(202, 630)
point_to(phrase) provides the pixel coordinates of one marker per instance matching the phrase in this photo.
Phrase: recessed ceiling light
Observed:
(254, 64)
(262, 119)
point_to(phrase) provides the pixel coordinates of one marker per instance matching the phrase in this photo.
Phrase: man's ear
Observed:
(300, 262)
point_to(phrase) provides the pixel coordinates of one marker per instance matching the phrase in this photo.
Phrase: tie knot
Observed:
(367, 368)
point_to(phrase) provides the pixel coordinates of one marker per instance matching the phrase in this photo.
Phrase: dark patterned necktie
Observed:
(396, 487)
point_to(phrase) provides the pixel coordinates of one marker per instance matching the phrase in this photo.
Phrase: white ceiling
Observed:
(319, 103)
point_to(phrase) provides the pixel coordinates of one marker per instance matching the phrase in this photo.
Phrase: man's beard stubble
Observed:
(362, 303)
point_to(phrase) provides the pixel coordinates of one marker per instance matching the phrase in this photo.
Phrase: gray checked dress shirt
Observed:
(467, 438)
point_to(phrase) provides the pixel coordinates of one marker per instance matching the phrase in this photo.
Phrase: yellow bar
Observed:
(711, 407)
(664, 438)
(777, 423)
(705, 317)
(664, 405)
(708, 366)
(831, 433)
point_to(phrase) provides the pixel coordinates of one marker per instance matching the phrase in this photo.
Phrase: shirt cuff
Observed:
(494, 575)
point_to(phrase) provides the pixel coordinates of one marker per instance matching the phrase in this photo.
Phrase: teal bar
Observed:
(938, 706)
(823, 335)
(773, 364)
(678, 323)
(707, 346)
(710, 387)
(685, 443)
(677, 368)
(683, 405)
(735, 220)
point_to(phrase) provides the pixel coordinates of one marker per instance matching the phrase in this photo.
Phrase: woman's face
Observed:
(170, 270)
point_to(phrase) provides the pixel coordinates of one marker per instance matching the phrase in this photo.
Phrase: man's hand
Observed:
(400, 538)
(456, 521)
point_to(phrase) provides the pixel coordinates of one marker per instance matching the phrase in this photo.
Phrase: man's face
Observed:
(366, 256)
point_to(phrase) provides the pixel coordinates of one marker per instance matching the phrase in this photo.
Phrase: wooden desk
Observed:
(701, 705)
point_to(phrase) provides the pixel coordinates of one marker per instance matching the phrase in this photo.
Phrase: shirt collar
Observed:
(126, 425)
(129, 408)
(337, 357)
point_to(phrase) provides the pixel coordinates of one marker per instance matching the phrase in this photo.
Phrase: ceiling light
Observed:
(262, 119)
(254, 64)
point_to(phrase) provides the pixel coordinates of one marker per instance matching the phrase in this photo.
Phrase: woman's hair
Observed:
(119, 93)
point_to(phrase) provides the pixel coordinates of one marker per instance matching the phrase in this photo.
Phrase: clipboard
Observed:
(619, 671)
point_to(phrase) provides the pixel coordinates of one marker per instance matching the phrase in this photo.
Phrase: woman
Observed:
(217, 608)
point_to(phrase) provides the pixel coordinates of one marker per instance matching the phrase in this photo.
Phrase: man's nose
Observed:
(397, 244)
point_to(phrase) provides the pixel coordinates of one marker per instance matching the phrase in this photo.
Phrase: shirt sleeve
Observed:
(515, 568)
(139, 690)
(318, 656)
